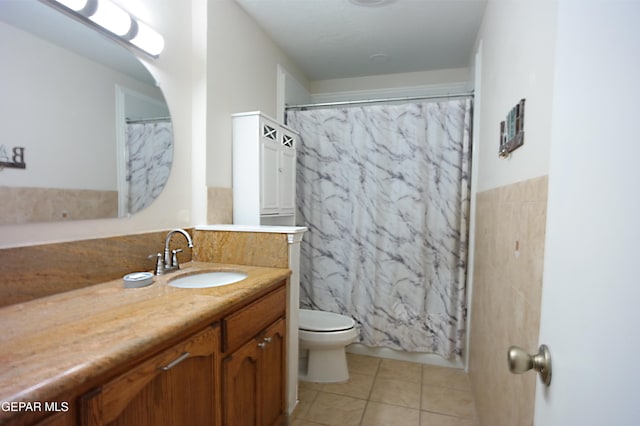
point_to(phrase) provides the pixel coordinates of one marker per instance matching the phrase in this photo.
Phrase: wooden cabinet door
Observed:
(240, 384)
(179, 386)
(253, 380)
(272, 375)
(60, 419)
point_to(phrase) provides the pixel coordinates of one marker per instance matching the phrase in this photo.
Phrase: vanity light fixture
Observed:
(76, 5)
(147, 39)
(110, 19)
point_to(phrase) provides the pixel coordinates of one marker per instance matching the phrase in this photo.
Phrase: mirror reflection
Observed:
(86, 133)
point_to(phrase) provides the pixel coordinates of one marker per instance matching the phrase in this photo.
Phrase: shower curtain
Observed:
(384, 192)
(149, 158)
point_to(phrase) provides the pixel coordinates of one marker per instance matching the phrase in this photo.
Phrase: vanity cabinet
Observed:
(179, 386)
(253, 369)
(230, 372)
(264, 170)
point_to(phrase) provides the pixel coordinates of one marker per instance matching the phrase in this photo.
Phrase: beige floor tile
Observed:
(310, 386)
(448, 401)
(434, 419)
(362, 364)
(388, 393)
(301, 410)
(378, 414)
(400, 370)
(336, 410)
(447, 377)
(358, 386)
(307, 395)
(303, 422)
(396, 392)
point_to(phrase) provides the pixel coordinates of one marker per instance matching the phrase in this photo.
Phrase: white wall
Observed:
(242, 65)
(408, 79)
(422, 83)
(289, 92)
(518, 39)
(139, 106)
(173, 71)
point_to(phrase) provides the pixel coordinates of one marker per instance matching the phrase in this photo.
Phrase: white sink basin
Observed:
(208, 279)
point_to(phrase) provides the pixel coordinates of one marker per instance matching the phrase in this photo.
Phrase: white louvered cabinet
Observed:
(264, 170)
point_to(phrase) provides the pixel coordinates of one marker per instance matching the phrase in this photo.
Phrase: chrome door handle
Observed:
(521, 362)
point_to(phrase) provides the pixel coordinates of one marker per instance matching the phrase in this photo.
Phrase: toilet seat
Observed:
(324, 322)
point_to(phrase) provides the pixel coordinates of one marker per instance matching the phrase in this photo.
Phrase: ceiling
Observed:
(339, 38)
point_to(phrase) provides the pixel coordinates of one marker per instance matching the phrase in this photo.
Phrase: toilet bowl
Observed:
(323, 336)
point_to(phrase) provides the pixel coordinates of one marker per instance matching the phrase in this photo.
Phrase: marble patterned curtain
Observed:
(149, 158)
(384, 191)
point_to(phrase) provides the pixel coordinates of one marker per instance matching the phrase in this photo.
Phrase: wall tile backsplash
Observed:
(42, 270)
(219, 205)
(507, 286)
(25, 205)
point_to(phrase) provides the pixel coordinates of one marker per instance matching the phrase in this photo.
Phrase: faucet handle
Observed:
(174, 258)
(159, 263)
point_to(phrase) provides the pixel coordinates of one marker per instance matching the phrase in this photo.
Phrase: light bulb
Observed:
(112, 18)
(148, 39)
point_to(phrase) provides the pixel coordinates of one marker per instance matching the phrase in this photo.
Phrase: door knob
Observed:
(521, 362)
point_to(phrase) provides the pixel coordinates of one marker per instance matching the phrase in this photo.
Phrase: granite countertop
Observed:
(53, 345)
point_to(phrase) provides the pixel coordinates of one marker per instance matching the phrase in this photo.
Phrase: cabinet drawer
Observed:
(244, 324)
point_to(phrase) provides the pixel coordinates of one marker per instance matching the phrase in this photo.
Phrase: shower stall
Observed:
(385, 192)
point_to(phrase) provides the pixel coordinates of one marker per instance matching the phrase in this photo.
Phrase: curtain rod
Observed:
(372, 101)
(146, 120)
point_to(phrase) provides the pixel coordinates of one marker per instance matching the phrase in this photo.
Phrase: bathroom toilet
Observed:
(323, 337)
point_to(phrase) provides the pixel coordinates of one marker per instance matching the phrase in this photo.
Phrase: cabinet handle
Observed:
(175, 362)
(264, 342)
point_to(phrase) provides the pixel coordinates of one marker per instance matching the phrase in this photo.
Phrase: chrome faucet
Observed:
(169, 262)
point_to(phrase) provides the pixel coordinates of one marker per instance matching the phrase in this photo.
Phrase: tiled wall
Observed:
(37, 271)
(507, 284)
(23, 205)
(241, 248)
(219, 205)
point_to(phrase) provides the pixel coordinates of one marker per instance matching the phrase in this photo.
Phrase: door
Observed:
(272, 373)
(253, 380)
(269, 153)
(177, 386)
(287, 181)
(240, 386)
(591, 295)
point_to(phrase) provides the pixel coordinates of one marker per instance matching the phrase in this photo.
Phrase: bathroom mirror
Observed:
(86, 132)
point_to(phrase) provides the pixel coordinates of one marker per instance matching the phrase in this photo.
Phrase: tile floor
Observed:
(382, 392)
